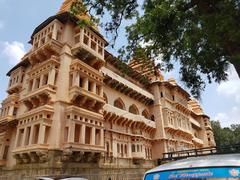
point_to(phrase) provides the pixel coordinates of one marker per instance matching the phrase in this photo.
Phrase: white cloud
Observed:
(228, 118)
(13, 51)
(231, 88)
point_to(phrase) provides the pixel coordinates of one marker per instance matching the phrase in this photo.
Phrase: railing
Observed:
(171, 156)
(128, 115)
(52, 31)
(88, 40)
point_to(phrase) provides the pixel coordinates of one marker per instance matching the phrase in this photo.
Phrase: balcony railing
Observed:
(197, 141)
(16, 79)
(130, 116)
(75, 91)
(138, 155)
(53, 31)
(174, 128)
(88, 42)
(195, 123)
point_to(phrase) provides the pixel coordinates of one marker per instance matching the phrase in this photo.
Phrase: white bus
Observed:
(212, 167)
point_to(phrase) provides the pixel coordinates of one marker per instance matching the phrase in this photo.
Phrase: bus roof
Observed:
(223, 160)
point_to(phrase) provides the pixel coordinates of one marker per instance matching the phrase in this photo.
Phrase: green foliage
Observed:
(80, 9)
(226, 135)
(203, 36)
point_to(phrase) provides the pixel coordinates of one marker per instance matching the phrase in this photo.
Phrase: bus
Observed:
(210, 167)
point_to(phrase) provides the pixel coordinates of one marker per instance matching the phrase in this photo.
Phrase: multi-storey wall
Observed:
(71, 104)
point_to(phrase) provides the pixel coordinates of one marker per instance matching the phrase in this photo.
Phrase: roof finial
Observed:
(66, 6)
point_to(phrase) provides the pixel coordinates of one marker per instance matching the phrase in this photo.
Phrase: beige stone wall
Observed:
(66, 97)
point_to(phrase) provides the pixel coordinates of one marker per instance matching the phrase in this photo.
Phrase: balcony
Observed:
(170, 127)
(78, 113)
(30, 148)
(9, 108)
(32, 139)
(197, 141)
(84, 130)
(208, 127)
(39, 97)
(181, 101)
(16, 79)
(86, 70)
(46, 66)
(185, 131)
(46, 43)
(117, 115)
(128, 88)
(7, 118)
(174, 129)
(89, 47)
(87, 96)
(31, 154)
(195, 123)
(40, 113)
(138, 155)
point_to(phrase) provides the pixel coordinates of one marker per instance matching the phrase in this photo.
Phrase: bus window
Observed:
(209, 167)
(220, 173)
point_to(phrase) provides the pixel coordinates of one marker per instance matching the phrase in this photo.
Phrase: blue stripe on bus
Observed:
(195, 173)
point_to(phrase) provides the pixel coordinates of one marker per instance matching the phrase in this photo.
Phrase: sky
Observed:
(19, 18)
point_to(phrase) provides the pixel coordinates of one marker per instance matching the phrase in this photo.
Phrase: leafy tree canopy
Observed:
(202, 35)
(227, 135)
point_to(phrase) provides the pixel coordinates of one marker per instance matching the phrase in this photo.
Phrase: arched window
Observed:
(107, 145)
(138, 149)
(133, 109)
(125, 149)
(145, 113)
(119, 104)
(121, 150)
(133, 148)
(118, 148)
(152, 118)
(105, 97)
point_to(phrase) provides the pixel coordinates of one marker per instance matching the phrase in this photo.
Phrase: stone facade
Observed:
(72, 107)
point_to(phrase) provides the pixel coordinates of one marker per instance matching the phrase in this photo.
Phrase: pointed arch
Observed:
(105, 97)
(146, 114)
(119, 104)
(133, 109)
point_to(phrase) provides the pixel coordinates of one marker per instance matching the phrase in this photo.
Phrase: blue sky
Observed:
(19, 18)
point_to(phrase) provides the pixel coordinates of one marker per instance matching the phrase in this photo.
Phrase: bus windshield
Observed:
(219, 173)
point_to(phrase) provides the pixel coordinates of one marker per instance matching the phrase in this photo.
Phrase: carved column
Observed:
(41, 80)
(94, 86)
(101, 91)
(34, 84)
(76, 79)
(41, 136)
(93, 136)
(10, 112)
(24, 137)
(54, 33)
(17, 139)
(85, 83)
(71, 132)
(82, 134)
(51, 76)
(31, 134)
(102, 137)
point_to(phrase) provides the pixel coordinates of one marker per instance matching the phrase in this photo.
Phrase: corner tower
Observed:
(56, 96)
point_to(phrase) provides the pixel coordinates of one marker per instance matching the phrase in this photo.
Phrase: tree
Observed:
(203, 36)
(226, 135)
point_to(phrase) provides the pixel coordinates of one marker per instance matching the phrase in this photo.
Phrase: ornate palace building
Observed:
(74, 108)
